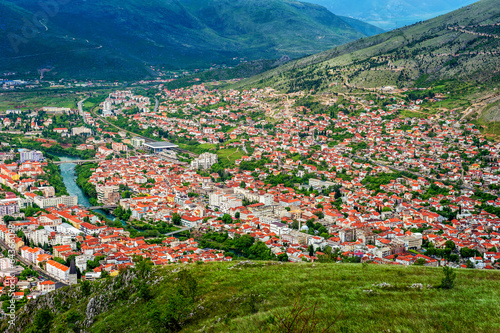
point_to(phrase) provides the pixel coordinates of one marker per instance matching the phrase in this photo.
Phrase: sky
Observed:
(391, 14)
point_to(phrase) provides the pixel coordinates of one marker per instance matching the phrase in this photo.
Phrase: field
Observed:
(253, 297)
(230, 155)
(37, 99)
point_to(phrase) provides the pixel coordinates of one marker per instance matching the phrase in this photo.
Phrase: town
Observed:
(215, 175)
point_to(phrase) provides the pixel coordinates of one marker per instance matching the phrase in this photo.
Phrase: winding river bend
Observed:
(69, 178)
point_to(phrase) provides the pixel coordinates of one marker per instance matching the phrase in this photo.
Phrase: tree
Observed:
(143, 265)
(283, 257)
(227, 219)
(237, 215)
(176, 219)
(43, 321)
(86, 288)
(448, 280)
(311, 250)
(465, 252)
(243, 184)
(450, 245)
(420, 262)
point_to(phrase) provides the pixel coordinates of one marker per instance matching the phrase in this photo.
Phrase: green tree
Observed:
(142, 265)
(283, 257)
(450, 245)
(310, 249)
(227, 219)
(86, 288)
(176, 219)
(420, 262)
(448, 280)
(42, 322)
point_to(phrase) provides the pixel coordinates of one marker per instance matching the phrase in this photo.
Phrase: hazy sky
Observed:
(389, 14)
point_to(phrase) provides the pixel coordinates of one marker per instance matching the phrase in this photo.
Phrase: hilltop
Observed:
(462, 45)
(132, 39)
(255, 296)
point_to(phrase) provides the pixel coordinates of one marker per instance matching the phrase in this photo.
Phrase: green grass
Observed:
(412, 114)
(198, 149)
(248, 299)
(31, 100)
(230, 155)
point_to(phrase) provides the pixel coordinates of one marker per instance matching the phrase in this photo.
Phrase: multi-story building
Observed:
(81, 131)
(31, 155)
(46, 286)
(204, 161)
(5, 263)
(58, 270)
(9, 207)
(108, 194)
(54, 202)
(137, 142)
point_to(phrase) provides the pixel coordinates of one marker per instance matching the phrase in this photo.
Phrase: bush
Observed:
(448, 281)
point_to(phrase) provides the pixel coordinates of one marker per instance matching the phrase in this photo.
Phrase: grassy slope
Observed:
(246, 299)
(405, 47)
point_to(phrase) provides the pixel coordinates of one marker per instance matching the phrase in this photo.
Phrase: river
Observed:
(69, 178)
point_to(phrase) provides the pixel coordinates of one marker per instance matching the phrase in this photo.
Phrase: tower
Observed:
(73, 278)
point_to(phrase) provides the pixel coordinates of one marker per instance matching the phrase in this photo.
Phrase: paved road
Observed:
(43, 273)
(80, 107)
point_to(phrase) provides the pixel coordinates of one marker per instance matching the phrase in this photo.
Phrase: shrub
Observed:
(448, 281)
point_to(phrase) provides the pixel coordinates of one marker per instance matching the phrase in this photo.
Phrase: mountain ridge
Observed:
(93, 38)
(425, 52)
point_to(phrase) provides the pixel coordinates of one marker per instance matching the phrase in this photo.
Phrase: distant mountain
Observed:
(123, 38)
(391, 14)
(463, 46)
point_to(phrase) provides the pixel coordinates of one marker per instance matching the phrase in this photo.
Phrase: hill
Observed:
(463, 45)
(129, 39)
(390, 14)
(263, 296)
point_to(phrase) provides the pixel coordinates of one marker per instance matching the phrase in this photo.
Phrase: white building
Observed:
(58, 270)
(204, 161)
(137, 142)
(267, 199)
(54, 202)
(5, 263)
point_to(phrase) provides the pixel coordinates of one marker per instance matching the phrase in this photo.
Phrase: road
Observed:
(43, 273)
(102, 207)
(80, 108)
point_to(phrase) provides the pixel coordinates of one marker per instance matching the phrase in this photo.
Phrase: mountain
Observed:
(391, 14)
(258, 296)
(123, 39)
(463, 46)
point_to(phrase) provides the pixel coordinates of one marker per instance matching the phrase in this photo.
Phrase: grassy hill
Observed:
(418, 55)
(122, 39)
(262, 296)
